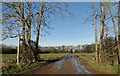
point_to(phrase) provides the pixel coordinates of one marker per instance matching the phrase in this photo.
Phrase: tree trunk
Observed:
(29, 27)
(96, 42)
(23, 25)
(27, 34)
(119, 29)
(104, 21)
(101, 31)
(116, 35)
(38, 30)
(18, 50)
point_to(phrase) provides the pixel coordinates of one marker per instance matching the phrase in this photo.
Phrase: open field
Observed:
(8, 56)
(47, 56)
(43, 56)
(87, 54)
(51, 56)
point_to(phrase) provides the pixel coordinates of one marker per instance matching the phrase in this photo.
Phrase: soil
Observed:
(70, 64)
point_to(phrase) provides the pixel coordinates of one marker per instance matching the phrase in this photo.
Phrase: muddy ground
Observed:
(70, 64)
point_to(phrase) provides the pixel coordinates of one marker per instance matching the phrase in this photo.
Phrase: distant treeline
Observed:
(60, 49)
(68, 49)
(9, 49)
(110, 45)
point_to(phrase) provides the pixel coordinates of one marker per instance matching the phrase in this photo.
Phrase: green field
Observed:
(48, 56)
(7, 56)
(44, 56)
(52, 56)
(85, 54)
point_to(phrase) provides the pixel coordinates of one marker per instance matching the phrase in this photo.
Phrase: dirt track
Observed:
(70, 64)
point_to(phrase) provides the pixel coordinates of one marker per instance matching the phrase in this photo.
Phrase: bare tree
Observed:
(116, 35)
(29, 18)
(119, 27)
(38, 28)
(96, 41)
(47, 10)
(101, 30)
(104, 17)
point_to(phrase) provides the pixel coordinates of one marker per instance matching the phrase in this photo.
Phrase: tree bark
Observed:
(23, 25)
(96, 42)
(27, 35)
(104, 22)
(18, 50)
(38, 29)
(119, 29)
(101, 31)
(29, 27)
(119, 20)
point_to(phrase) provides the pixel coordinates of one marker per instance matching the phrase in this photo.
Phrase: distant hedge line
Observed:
(9, 50)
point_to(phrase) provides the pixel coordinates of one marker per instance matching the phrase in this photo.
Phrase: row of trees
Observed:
(69, 49)
(103, 17)
(53, 49)
(8, 49)
(28, 19)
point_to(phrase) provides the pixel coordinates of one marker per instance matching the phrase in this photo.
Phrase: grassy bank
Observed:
(89, 58)
(18, 69)
(46, 59)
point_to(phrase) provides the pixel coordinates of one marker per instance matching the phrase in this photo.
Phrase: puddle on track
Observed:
(67, 65)
(78, 66)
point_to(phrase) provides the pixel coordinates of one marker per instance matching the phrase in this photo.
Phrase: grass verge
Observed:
(106, 68)
(19, 69)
